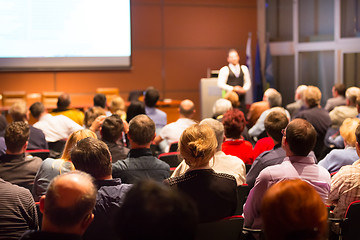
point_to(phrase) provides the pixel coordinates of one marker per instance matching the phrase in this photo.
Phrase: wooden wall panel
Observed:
(26, 81)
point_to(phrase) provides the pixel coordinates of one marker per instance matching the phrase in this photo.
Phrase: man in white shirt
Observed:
(172, 132)
(235, 77)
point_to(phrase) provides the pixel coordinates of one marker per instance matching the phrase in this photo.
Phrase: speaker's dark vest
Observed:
(237, 81)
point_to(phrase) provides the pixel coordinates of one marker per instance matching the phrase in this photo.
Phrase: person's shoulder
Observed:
(15, 190)
(121, 164)
(224, 176)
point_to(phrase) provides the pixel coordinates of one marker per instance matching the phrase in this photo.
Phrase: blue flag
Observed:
(258, 87)
(269, 76)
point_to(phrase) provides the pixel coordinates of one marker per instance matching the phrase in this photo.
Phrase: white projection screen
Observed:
(64, 35)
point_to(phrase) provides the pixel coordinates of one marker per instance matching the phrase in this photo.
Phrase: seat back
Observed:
(173, 159)
(225, 229)
(174, 147)
(351, 228)
(41, 153)
(11, 97)
(242, 193)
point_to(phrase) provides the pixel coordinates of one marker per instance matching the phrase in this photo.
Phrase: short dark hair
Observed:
(151, 97)
(16, 135)
(100, 100)
(72, 215)
(141, 129)
(357, 134)
(135, 108)
(301, 137)
(154, 211)
(112, 128)
(63, 101)
(37, 109)
(274, 122)
(92, 156)
(340, 89)
(234, 123)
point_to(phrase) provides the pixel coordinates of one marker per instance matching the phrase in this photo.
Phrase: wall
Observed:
(174, 43)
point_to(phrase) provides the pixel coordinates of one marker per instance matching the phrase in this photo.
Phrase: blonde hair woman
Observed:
(117, 106)
(50, 168)
(213, 193)
(341, 157)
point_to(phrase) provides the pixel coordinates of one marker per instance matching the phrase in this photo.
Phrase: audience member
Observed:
(234, 144)
(135, 108)
(262, 145)
(17, 211)
(14, 166)
(55, 128)
(117, 106)
(63, 105)
(220, 163)
(358, 106)
(100, 101)
(340, 113)
(275, 122)
(317, 116)
(345, 184)
(172, 132)
(298, 140)
(256, 109)
(295, 107)
(153, 211)
(292, 209)
(220, 107)
(93, 157)
(50, 168)
(233, 97)
(341, 157)
(66, 208)
(214, 193)
(111, 132)
(274, 99)
(338, 99)
(150, 99)
(92, 115)
(19, 112)
(140, 162)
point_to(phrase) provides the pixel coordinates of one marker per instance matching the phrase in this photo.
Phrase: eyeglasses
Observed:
(283, 131)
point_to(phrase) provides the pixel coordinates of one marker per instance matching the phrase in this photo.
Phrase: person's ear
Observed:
(86, 221)
(42, 204)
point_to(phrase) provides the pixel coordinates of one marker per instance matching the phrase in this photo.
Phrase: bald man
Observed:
(172, 132)
(66, 207)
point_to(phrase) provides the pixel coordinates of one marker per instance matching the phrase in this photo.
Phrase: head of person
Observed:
(351, 94)
(112, 128)
(299, 92)
(100, 100)
(233, 57)
(221, 106)
(63, 101)
(68, 204)
(218, 129)
(135, 108)
(91, 114)
(187, 108)
(347, 131)
(151, 97)
(154, 211)
(92, 156)
(73, 139)
(338, 90)
(197, 145)
(141, 130)
(233, 97)
(16, 137)
(273, 97)
(234, 123)
(299, 138)
(19, 112)
(293, 210)
(37, 109)
(312, 96)
(357, 134)
(274, 123)
(358, 103)
(117, 104)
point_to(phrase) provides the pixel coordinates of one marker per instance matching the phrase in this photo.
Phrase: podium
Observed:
(209, 93)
